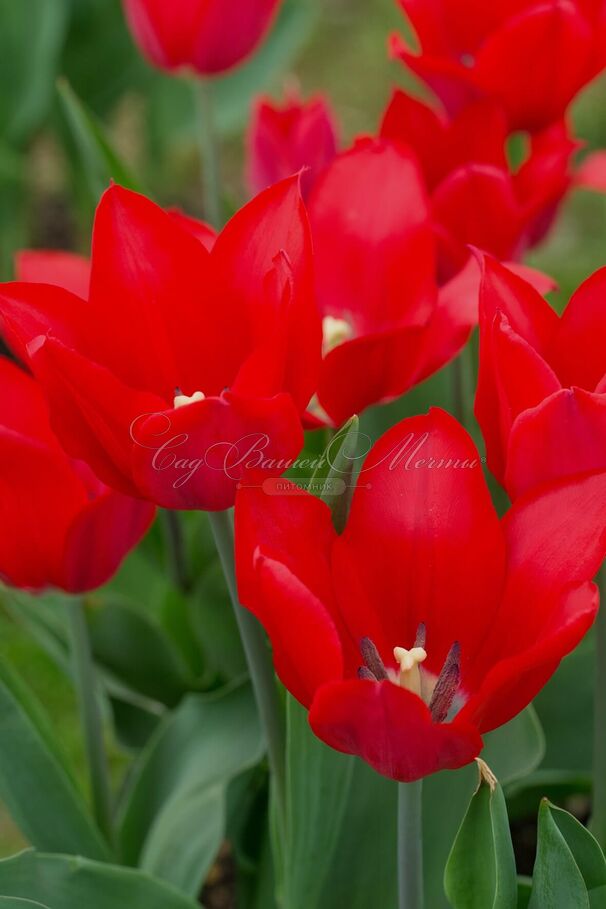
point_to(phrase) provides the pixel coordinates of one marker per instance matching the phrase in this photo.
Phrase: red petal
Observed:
(31, 311)
(245, 254)
(419, 126)
(369, 370)
(24, 409)
(196, 457)
(391, 729)
(564, 435)
(49, 267)
(425, 539)
(152, 279)
(577, 351)
(200, 229)
(381, 273)
(458, 26)
(515, 680)
(92, 412)
(107, 527)
(555, 42)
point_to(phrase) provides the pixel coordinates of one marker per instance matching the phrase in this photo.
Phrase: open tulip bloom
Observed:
(428, 622)
(541, 396)
(183, 369)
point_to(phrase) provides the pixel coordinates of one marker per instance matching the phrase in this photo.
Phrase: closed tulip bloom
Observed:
(428, 622)
(63, 528)
(283, 140)
(533, 56)
(183, 369)
(207, 36)
(541, 397)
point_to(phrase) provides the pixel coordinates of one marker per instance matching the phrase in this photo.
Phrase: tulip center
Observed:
(182, 400)
(439, 693)
(335, 332)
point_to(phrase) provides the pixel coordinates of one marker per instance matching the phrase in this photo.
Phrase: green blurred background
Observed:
(48, 189)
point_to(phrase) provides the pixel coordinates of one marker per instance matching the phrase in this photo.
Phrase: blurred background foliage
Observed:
(63, 62)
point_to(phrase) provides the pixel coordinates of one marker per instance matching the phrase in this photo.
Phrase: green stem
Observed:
(410, 845)
(258, 658)
(175, 550)
(209, 151)
(598, 820)
(90, 715)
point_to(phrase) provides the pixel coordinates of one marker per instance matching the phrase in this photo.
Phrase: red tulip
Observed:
(284, 140)
(208, 36)
(533, 56)
(62, 527)
(427, 622)
(476, 199)
(387, 324)
(541, 398)
(184, 369)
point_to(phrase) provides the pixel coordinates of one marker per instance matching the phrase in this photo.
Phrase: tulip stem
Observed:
(90, 715)
(259, 661)
(410, 845)
(598, 819)
(209, 151)
(175, 550)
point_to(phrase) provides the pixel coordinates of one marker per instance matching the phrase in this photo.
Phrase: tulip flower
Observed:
(207, 36)
(285, 140)
(185, 372)
(533, 56)
(428, 622)
(387, 323)
(541, 398)
(476, 198)
(62, 527)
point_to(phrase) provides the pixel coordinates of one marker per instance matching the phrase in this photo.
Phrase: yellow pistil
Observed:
(335, 332)
(184, 400)
(409, 662)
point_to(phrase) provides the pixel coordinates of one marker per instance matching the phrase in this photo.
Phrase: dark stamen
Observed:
(178, 392)
(421, 635)
(365, 673)
(372, 659)
(447, 685)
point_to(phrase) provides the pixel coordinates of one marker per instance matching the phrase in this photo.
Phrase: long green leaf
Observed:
(77, 883)
(15, 902)
(35, 784)
(176, 801)
(481, 870)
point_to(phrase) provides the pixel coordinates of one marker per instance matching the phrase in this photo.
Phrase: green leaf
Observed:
(76, 883)
(14, 902)
(524, 891)
(569, 866)
(319, 787)
(30, 41)
(481, 871)
(175, 805)
(511, 751)
(34, 784)
(338, 485)
(134, 649)
(99, 161)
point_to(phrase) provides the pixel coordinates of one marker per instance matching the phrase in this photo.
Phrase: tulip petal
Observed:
(577, 351)
(424, 540)
(515, 680)
(198, 455)
(31, 311)
(50, 267)
(273, 225)
(391, 729)
(109, 526)
(555, 43)
(564, 435)
(381, 273)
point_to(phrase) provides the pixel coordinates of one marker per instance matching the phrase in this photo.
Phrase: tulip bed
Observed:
(302, 454)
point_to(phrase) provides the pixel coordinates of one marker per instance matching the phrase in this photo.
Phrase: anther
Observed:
(421, 637)
(447, 685)
(365, 673)
(372, 660)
